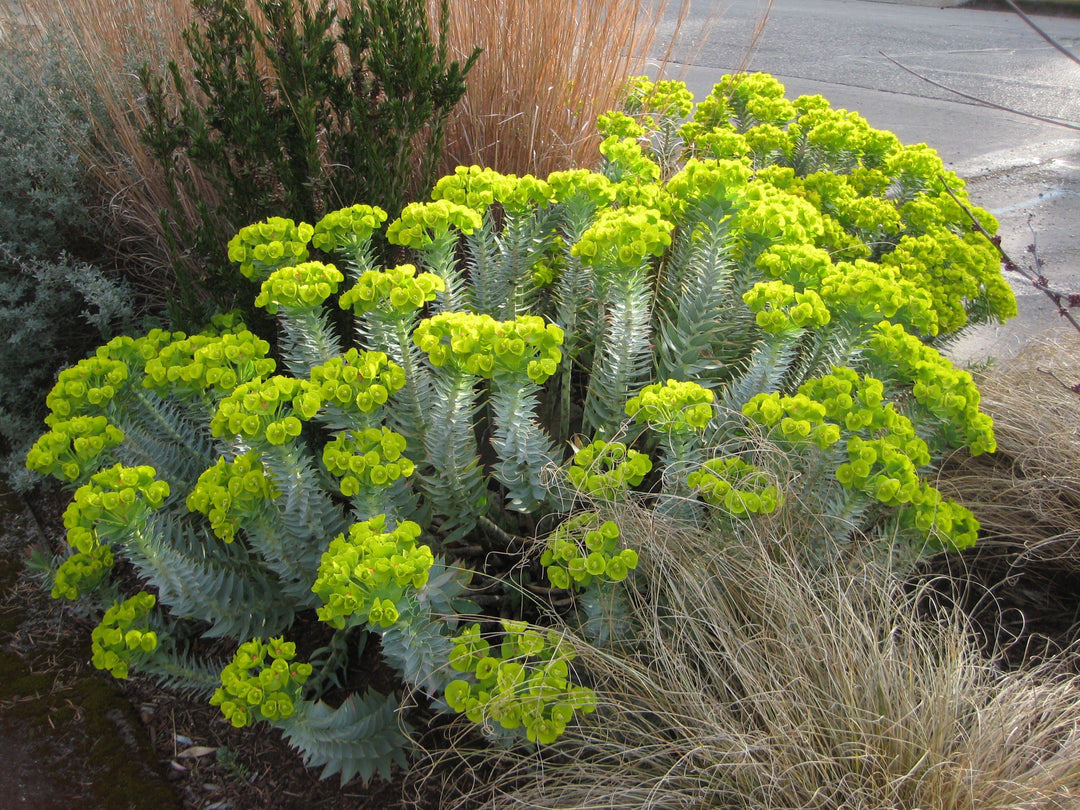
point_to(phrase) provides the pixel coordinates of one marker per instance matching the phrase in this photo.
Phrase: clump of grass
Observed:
(757, 682)
(548, 69)
(1022, 579)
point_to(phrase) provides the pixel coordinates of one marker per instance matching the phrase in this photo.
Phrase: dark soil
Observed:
(74, 738)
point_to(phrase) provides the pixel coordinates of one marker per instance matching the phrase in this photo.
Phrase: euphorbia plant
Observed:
(777, 275)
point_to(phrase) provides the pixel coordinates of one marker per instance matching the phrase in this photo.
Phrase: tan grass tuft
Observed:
(757, 683)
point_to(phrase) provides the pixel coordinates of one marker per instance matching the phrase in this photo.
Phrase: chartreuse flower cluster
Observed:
(347, 228)
(114, 498)
(367, 575)
(264, 410)
(779, 308)
(231, 491)
(624, 237)
(605, 470)
(82, 572)
(800, 419)
(73, 447)
(123, 636)
(478, 189)
(869, 291)
(264, 247)
(672, 407)
(85, 388)
(715, 181)
(946, 391)
(423, 225)
(397, 291)
(739, 487)
(627, 161)
(367, 458)
(213, 364)
(485, 347)
(262, 682)
(583, 551)
(301, 286)
(356, 382)
(526, 686)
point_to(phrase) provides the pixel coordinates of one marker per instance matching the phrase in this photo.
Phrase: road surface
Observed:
(1025, 171)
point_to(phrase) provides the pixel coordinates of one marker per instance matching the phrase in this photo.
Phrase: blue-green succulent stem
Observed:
(392, 335)
(308, 340)
(525, 452)
(358, 257)
(623, 357)
(440, 258)
(455, 483)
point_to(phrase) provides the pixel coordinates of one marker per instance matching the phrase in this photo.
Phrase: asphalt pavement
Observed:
(854, 52)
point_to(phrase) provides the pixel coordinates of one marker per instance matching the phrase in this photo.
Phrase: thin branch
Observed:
(1042, 33)
(1062, 300)
(981, 101)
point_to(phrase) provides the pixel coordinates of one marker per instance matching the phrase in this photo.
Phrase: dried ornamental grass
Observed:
(757, 683)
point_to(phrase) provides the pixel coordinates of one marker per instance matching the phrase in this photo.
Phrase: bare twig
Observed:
(1042, 33)
(981, 101)
(1062, 300)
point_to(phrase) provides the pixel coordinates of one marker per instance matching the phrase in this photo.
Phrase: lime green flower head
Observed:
(479, 189)
(347, 227)
(779, 308)
(526, 687)
(367, 459)
(397, 291)
(303, 286)
(716, 144)
(85, 388)
(581, 184)
(368, 575)
(213, 364)
(123, 636)
(422, 225)
(263, 410)
(713, 180)
(620, 125)
(112, 501)
(483, 346)
(802, 266)
(627, 160)
(82, 572)
(355, 382)
(624, 237)
(670, 98)
(946, 524)
(871, 292)
(672, 406)
(737, 486)
(797, 419)
(603, 469)
(583, 550)
(230, 492)
(262, 682)
(261, 248)
(74, 448)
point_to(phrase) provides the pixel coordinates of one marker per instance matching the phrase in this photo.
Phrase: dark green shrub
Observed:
(294, 111)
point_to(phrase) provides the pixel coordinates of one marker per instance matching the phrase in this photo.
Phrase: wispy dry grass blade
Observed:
(757, 683)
